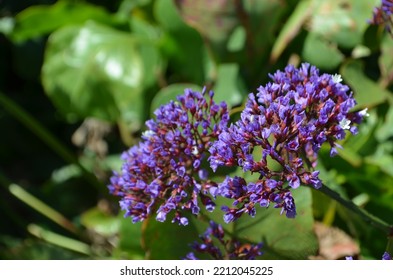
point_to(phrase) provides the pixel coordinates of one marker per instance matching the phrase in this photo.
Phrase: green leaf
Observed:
(321, 53)
(385, 131)
(383, 158)
(95, 71)
(342, 21)
(283, 238)
(168, 241)
(229, 86)
(170, 93)
(129, 245)
(237, 40)
(367, 92)
(43, 19)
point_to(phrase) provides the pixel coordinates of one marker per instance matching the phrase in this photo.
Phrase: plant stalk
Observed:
(363, 214)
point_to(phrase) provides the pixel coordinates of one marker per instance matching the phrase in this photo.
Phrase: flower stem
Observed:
(363, 214)
(46, 136)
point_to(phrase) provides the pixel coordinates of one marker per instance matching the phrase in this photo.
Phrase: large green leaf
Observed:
(43, 19)
(94, 70)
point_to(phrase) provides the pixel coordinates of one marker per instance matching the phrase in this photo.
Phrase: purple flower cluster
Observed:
(164, 172)
(278, 136)
(234, 250)
(382, 15)
(385, 257)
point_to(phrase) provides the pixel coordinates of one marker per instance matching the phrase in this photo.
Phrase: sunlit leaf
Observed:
(94, 71)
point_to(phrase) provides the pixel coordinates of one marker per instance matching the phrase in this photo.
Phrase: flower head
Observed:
(285, 122)
(164, 173)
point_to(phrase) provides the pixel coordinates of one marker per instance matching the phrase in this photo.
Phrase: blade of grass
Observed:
(291, 28)
(41, 207)
(46, 136)
(59, 240)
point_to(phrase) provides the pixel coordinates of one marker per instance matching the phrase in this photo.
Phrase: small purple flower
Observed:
(382, 15)
(288, 120)
(387, 257)
(228, 249)
(164, 174)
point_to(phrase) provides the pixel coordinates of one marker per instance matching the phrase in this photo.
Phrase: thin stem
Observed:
(367, 217)
(45, 135)
(363, 214)
(59, 240)
(42, 207)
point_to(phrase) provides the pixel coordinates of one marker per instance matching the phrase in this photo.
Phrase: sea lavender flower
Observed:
(382, 15)
(285, 122)
(386, 257)
(163, 173)
(233, 249)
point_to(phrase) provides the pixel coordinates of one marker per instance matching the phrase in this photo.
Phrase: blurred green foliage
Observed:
(78, 79)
